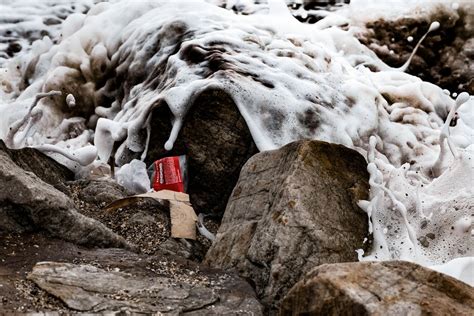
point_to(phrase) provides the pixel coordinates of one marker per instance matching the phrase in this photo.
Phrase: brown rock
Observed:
(62, 276)
(291, 210)
(378, 288)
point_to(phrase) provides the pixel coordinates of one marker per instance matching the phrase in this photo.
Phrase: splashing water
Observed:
(290, 81)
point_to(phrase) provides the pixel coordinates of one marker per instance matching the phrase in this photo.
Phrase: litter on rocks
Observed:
(169, 173)
(133, 176)
(183, 217)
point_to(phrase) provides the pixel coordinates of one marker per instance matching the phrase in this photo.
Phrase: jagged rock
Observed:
(291, 210)
(444, 58)
(88, 288)
(44, 167)
(378, 288)
(217, 142)
(27, 202)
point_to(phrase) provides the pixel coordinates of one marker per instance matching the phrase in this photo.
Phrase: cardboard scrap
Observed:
(167, 195)
(183, 217)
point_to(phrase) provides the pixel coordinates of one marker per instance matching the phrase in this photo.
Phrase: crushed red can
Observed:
(169, 173)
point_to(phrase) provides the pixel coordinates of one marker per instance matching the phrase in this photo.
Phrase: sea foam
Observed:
(289, 80)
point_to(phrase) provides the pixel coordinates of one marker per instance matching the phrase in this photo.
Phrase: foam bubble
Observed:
(71, 101)
(434, 26)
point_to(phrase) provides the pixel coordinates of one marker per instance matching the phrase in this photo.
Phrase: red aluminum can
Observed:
(169, 174)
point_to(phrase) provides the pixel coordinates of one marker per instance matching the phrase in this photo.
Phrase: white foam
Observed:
(460, 268)
(290, 81)
(70, 100)
(83, 156)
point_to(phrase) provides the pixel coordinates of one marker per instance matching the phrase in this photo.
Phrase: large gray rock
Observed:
(217, 142)
(88, 288)
(378, 288)
(27, 203)
(44, 167)
(291, 210)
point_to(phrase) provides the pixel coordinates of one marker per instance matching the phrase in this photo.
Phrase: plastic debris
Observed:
(169, 173)
(203, 230)
(133, 176)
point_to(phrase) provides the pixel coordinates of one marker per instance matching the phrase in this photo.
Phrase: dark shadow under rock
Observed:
(217, 142)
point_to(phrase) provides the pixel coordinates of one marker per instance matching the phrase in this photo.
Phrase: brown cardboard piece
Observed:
(167, 195)
(183, 220)
(183, 217)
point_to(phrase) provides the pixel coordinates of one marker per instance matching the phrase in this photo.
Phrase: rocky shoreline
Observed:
(288, 229)
(291, 210)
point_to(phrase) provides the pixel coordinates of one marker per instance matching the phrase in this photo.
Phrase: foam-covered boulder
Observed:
(217, 142)
(292, 209)
(378, 288)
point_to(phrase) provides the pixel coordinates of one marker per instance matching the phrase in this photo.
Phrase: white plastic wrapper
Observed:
(133, 176)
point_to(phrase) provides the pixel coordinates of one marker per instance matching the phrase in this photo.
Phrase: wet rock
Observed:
(312, 11)
(27, 202)
(378, 288)
(217, 142)
(44, 167)
(89, 288)
(291, 210)
(444, 58)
